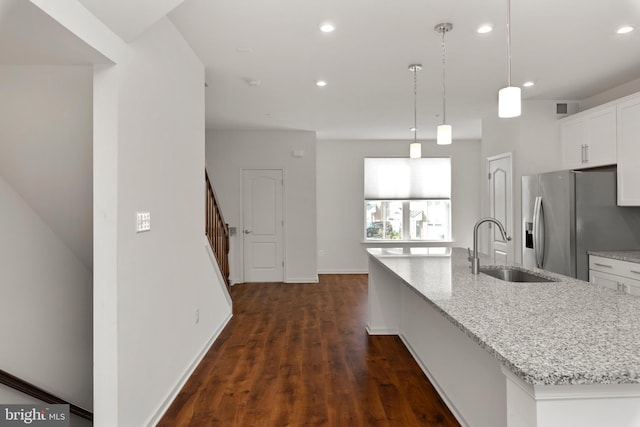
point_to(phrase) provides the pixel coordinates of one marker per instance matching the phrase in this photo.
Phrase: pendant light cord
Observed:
(509, 43)
(415, 104)
(444, 87)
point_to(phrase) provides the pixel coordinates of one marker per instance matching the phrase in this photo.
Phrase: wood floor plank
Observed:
(299, 355)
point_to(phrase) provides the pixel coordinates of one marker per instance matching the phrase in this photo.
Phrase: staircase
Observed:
(216, 229)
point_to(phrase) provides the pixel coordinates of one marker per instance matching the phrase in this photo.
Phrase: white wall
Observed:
(534, 140)
(46, 150)
(340, 196)
(46, 331)
(228, 152)
(46, 229)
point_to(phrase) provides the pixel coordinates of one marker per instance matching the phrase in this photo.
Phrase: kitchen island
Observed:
(563, 353)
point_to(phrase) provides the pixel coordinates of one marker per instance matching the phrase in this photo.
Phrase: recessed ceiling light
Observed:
(321, 83)
(625, 29)
(484, 29)
(528, 84)
(327, 27)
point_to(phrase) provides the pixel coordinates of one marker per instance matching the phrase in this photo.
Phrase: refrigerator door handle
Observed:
(538, 232)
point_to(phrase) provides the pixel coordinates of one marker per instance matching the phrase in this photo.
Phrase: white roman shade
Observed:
(406, 179)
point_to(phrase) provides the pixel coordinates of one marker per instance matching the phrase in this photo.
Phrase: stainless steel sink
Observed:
(514, 275)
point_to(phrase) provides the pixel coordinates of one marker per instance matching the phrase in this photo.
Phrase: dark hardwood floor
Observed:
(299, 355)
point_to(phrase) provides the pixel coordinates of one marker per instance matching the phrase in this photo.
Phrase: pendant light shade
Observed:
(509, 102)
(509, 98)
(444, 131)
(444, 135)
(415, 148)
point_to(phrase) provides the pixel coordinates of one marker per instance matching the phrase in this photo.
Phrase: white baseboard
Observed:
(343, 271)
(381, 331)
(166, 403)
(302, 280)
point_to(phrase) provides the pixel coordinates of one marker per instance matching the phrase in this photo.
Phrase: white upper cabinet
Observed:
(589, 138)
(572, 137)
(629, 151)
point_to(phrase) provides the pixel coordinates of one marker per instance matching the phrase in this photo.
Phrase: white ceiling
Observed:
(129, 18)
(569, 48)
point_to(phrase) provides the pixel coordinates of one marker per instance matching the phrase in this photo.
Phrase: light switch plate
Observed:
(143, 221)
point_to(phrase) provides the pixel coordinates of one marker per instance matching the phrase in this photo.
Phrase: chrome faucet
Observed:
(475, 260)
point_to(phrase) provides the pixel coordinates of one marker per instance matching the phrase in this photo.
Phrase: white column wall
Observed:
(170, 303)
(158, 302)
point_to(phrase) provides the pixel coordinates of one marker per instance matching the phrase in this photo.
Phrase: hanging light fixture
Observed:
(415, 148)
(443, 136)
(509, 98)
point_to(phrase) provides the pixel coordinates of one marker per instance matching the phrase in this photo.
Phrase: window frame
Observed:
(404, 180)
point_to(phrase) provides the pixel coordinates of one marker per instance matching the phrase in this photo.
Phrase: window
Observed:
(407, 199)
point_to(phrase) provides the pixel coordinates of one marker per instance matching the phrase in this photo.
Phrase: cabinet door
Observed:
(615, 266)
(607, 265)
(632, 286)
(572, 137)
(604, 279)
(600, 141)
(628, 117)
(589, 138)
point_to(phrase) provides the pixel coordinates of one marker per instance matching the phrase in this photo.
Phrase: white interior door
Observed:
(501, 206)
(262, 225)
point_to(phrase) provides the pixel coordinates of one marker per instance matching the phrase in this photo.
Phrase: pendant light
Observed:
(415, 148)
(509, 98)
(443, 136)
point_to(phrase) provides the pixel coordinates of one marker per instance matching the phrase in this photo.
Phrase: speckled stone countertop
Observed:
(564, 332)
(631, 256)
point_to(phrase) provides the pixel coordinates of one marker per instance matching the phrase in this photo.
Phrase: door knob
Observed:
(247, 231)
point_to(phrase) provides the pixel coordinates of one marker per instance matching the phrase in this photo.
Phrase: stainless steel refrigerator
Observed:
(567, 213)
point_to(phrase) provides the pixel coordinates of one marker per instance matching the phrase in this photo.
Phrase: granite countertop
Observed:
(564, 332)
(631, 256)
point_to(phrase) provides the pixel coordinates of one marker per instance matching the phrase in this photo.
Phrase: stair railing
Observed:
(217, 230)
(40, 394)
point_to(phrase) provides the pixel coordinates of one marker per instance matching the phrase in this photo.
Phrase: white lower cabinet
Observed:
(634, 287)
(623, 276)
(604, 279)
(618, 283)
